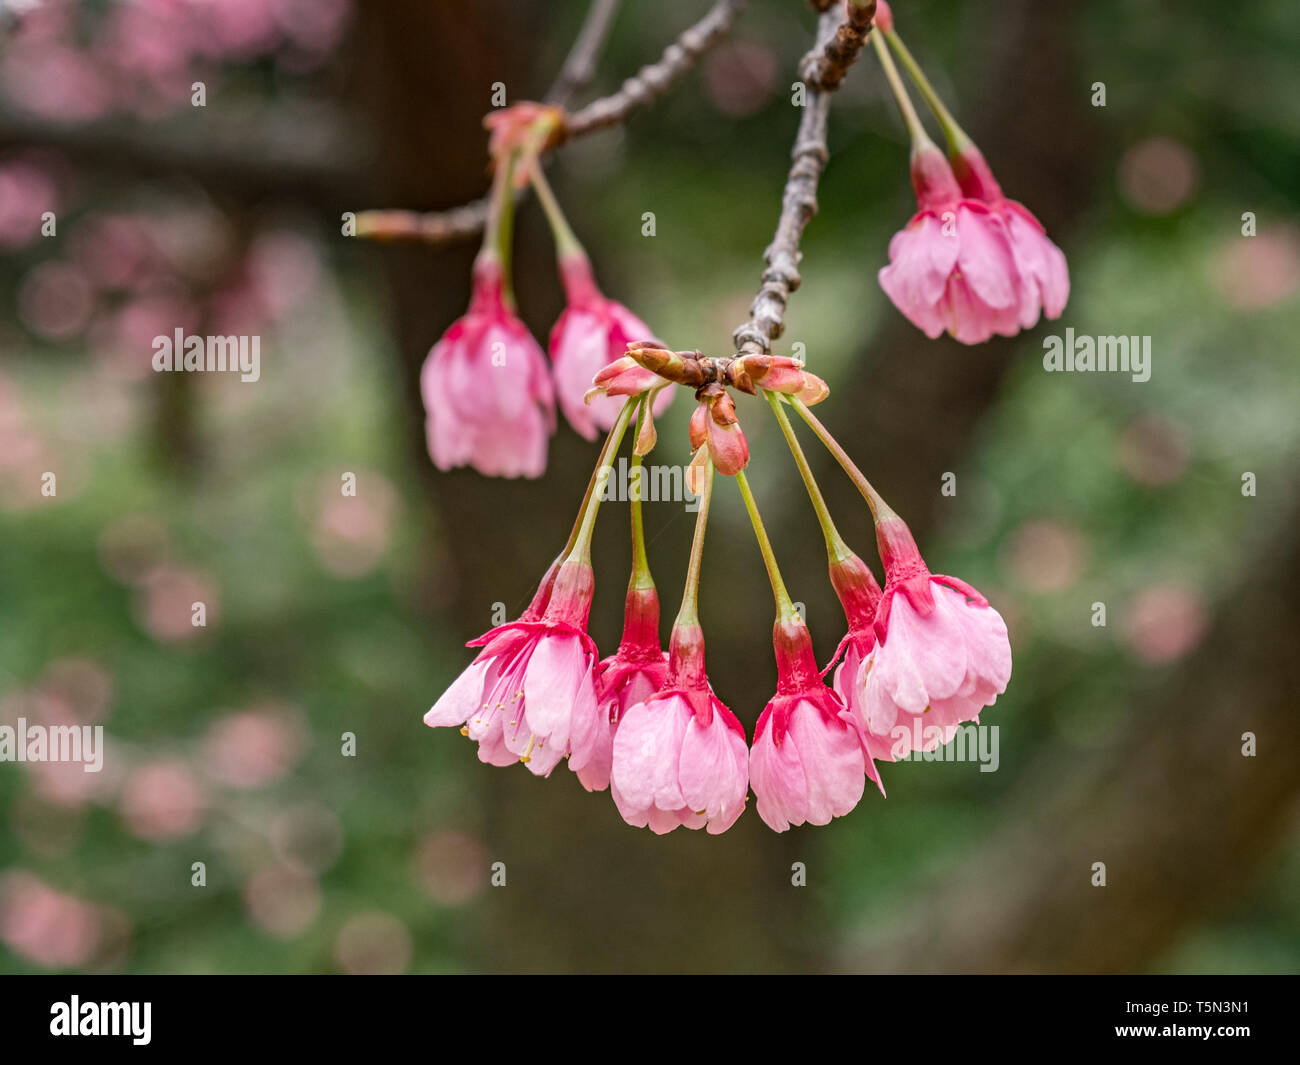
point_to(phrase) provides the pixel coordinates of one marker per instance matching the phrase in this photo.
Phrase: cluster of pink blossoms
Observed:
(488, 389)
(970, 262)
(919, 658)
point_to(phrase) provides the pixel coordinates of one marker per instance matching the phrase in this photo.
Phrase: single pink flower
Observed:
(952, 268)
(630, 676)
(809, 762)
(592, 332)
(486, 388)
(1041, 264)
(530, 695)
(680, 757)
(715, 423)
(941, 655)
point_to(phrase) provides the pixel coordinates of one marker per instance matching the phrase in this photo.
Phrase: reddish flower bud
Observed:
(715, 423)
(777, 373)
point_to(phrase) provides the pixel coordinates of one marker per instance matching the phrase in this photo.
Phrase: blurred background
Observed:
(329, 614)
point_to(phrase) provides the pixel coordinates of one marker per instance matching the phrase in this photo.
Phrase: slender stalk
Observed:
(565, 242)
(784, 607)
(836, 549)
(880, 510)
(689, 613)
(578, 549)
(641, 577)
(955, 134)
(910, 118)
(498, 234)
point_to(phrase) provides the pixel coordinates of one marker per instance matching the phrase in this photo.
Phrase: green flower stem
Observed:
(956, 136)
(784, 607)
(910, 118)
(578, 549)
(880, 510)
(498, 232)
(836, 549)
(689, 613)
(641, 577)
(566, 244)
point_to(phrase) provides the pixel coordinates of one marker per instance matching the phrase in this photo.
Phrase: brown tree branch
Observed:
(830, 58)
(653, 80)
(824, 68)
(643, 88)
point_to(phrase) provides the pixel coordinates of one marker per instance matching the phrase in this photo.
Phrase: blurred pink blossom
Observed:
(1165, 621)
(51, 928)
(26, 193)
(254, 748)
(351, 533)
(163, 800)
(1259, 271)
(165, 606)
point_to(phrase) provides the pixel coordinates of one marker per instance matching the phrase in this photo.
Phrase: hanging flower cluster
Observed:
(920, 656)
(489, 392)
(970, 262)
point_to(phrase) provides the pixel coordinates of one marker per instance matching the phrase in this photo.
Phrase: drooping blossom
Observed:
(630, 676)
(952, 267)
(530, 695)
(1044, 275)
(486, 389)
(680, 757)
(808, 762)
(942, 653)
(591, 332)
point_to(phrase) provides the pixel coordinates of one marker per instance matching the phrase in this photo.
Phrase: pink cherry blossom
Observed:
(1041, 264)
(942, 653)
(530, 695)
(630, 676)
(809, 762)
(486, 388)
(680, 757)
(592, 332)
(952, 267)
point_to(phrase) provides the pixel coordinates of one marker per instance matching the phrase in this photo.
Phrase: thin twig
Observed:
(580, 64)
(766, 319)
(654, 79)
(644, 87)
